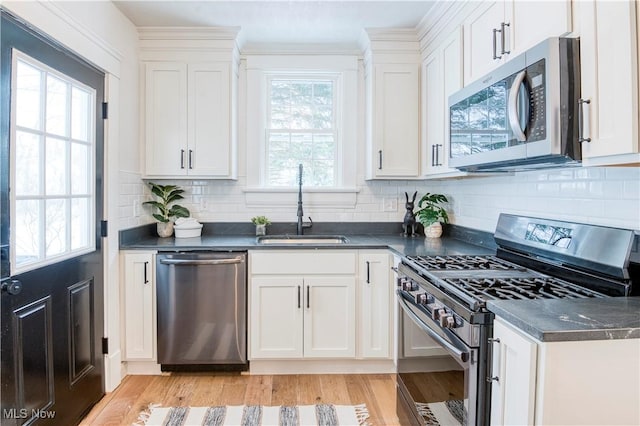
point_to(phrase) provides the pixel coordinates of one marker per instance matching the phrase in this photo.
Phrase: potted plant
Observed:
(261, 223)
(431, 215)
(167, 194)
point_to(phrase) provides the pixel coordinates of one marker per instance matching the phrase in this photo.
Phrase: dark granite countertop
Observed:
(398, 244)
(572, 319)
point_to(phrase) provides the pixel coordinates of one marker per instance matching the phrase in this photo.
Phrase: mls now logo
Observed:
(23, 413)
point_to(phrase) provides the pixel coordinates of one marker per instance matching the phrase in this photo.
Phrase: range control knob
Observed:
(447, 321)
(421, 298)
(437, 312)
(409, 285)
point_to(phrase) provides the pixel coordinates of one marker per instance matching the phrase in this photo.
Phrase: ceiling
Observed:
(280, 22)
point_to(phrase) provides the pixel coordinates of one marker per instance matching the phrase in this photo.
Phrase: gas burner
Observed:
(534, 287)
(435, 263)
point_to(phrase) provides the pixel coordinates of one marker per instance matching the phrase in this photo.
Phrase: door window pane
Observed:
(28, 96)
(56, 227)
(53, 204)
(56, 166)
(27, 153)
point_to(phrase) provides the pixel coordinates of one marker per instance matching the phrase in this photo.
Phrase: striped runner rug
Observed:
(256, 415)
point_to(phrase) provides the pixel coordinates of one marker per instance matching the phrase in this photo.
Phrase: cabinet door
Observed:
(514, 377)
(138, 313)
(396, 144)
(479, 40)
(533, 21)
(276, 317)
(609, 79)
(442, 76)
(165, 125)
(209, 120)
(375, 298)
(329, 317)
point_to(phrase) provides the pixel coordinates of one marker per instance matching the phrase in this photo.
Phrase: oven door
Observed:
(438, 379)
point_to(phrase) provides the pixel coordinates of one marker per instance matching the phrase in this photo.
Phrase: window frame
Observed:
(348, 68)
(336, 113)
(42, 196)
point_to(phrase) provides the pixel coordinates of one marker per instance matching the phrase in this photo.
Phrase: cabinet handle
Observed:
(190, 159)
(491, 341)
(146, 278)
(433, 155)
(581, 103)
(368, 272)
(308, 297)
(182, 158)
(438, 163)
(298, 297)
(503, 25)
(495, 44)
(380, 160)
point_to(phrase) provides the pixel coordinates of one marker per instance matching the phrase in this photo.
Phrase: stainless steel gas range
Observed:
(445, 298)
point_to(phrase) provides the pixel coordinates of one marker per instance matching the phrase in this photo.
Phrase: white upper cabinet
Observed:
(189, 99)
(609, 66)
(441, 76)
(392, 82)
(499, 30)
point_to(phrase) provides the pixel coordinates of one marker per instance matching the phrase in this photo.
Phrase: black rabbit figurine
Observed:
(409, 222)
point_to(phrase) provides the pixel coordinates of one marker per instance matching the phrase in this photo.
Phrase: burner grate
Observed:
(520, 288)
(462, 263)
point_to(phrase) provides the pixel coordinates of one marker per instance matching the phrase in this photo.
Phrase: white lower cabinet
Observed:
(585, 382)
(513, 378)
(139, 304)
(302, 304)
(375, 298)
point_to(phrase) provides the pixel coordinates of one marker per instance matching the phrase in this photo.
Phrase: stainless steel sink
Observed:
(302, 239)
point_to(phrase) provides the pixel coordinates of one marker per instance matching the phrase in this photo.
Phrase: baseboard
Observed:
(383, 366)
(142, 368)
(112, 371)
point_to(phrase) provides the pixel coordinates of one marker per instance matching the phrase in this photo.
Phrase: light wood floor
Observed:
(122, 406)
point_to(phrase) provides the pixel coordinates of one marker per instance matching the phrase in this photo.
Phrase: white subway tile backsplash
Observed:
(607, 196)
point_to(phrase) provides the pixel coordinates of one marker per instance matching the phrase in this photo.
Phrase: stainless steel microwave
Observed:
(523, 115)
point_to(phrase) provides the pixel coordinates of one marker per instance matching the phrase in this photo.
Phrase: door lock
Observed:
(12, 287)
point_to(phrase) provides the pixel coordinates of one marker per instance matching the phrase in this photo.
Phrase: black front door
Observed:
(51, 194)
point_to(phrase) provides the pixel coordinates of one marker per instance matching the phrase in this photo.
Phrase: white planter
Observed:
(165, 229)
(433, 231)
(261, 229)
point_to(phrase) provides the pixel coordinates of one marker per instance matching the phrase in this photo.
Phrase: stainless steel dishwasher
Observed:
(202, 310)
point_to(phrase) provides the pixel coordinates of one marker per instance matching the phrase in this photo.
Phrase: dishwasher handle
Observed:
(230, 261)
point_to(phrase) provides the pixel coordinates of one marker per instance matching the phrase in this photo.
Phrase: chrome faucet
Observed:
(301, 224)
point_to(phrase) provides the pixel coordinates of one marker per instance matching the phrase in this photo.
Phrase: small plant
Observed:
(429, 212)
(167, 194)
(260, 220)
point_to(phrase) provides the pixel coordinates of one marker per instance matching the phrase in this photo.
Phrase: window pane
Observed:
(56, 227)
(304, 106)
(29, 88)
(27, 170)
(56, 166)
(56, 106)
(80, 222)
(27, 226)
(79, 168)
(80, 109)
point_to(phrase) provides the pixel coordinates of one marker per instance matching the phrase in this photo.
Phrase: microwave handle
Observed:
(514, 121)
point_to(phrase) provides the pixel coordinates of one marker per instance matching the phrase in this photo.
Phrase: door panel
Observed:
(51, 362)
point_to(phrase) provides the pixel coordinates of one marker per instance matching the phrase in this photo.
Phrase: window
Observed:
(301, 129)
(52, 173)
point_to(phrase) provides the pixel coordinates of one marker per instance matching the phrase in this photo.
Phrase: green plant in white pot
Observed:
(167, 194)
(431, 215)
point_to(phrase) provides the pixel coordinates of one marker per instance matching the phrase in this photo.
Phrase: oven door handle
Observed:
(462, 355)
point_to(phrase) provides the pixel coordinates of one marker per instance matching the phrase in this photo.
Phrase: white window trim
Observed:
(258, 70)
(90, 195)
